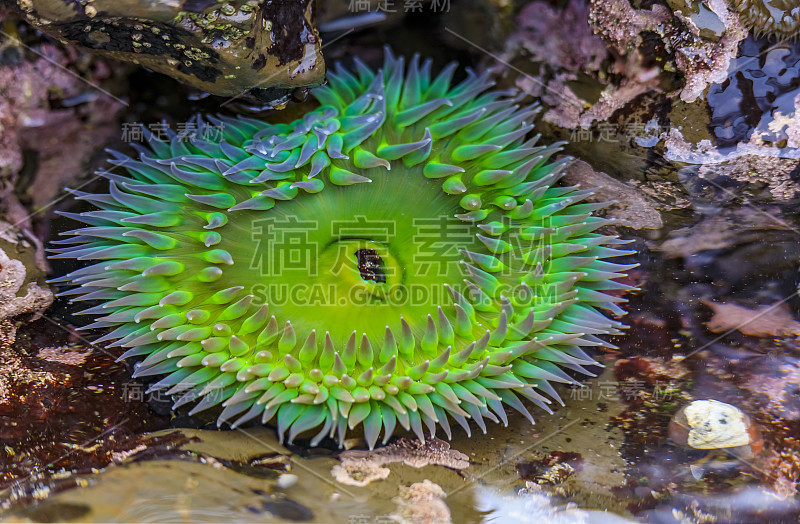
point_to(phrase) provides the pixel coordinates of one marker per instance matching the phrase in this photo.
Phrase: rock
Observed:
(358, 474)
(552, 470)
(22, 289)
(716, 175)
(772, 320)
(723, 230)
(570, 77)
(359, 467)
(55, 397)
(631, 207)
(287, 480)
(421, 503)
(710, 424)
(53, 120)
(701, 59)
(223, 48)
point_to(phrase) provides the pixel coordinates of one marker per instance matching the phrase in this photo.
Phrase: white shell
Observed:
(715, 425)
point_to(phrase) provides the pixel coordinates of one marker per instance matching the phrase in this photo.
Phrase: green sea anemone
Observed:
(400, 255)
(773, 18)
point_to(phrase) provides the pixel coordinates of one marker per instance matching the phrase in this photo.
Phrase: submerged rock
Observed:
(773, 320)
(630, 206)
(422, 503)
(359, 467)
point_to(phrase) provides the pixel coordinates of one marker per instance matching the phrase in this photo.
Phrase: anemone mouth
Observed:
(399, 256)
(366, 256)
(372, 267)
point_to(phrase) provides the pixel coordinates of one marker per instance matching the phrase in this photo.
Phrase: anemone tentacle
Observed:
(779, 19)
(400, 183)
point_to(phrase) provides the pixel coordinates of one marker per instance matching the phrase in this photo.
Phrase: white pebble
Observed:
(715, 425)
(287, 480)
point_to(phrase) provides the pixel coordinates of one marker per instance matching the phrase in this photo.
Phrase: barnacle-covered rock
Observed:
(609, 75)
(599, 91)
(223, 48)
(773, 18)
(701, 59)
(746, 132)
(398, 256)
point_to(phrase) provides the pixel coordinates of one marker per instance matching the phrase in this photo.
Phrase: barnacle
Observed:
(400, 255)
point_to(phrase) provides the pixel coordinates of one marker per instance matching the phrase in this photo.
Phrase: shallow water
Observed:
(715, 317)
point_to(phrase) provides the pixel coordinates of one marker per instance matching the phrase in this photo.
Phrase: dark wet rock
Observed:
(273, 461)
(25, 494)
(224, 48)
(193, 475)
(268, 466)
(160, 447)
(284, 509)
(62, 512)
(472, 25)
(163, 448)
(170, 446)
